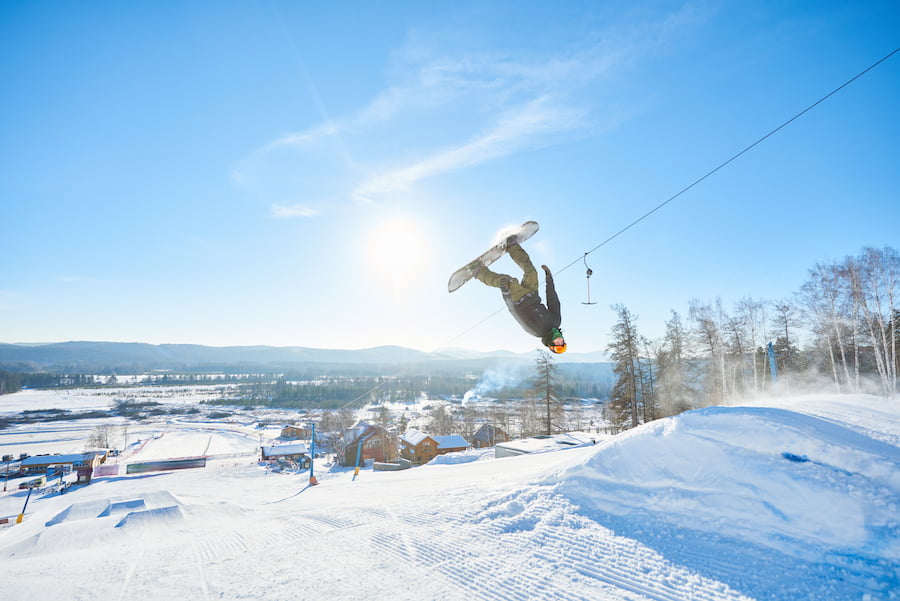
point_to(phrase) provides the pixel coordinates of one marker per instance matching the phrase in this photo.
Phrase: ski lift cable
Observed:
(701, 179)
(735, 157)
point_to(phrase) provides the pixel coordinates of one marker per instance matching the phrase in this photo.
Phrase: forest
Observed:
(840, 332)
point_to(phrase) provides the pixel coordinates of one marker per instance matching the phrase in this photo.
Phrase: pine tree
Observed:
(545, 384)
(626, 394)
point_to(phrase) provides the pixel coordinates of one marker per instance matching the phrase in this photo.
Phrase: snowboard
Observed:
(464, 274)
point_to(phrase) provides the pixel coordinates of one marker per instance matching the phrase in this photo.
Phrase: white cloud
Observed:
(447, 112)
(526, 126)
(280, 211)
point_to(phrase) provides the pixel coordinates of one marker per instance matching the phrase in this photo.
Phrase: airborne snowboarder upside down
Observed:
(522, 297)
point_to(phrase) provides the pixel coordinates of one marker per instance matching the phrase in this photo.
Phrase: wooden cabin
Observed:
(365, 441)
(419, 447)
(488, 435)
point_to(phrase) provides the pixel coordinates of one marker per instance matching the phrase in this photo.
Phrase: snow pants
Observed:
(516, 288)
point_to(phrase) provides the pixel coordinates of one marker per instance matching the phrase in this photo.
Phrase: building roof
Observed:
(414, 437)
(454, 441)
(53, 459)
(285, 449)
(488, 432)
(360, 430)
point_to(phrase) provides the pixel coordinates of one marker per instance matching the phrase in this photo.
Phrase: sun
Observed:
(398, 249)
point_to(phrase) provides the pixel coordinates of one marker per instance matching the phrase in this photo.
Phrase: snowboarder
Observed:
(522, 297)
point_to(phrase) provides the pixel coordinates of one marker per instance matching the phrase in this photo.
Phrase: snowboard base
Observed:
(466, 273)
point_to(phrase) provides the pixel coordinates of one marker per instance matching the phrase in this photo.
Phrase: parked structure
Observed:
(488, 435)
(39, 464)
(419, 447)
(296, 431)
(292, 452)
(543, 444)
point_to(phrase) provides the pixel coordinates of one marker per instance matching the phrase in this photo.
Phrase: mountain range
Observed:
(138, 357)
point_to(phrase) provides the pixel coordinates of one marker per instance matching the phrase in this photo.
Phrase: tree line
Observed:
(848, 310)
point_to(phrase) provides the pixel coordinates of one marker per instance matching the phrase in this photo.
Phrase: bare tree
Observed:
(873, 283)
(673, 388)
(100, 438)
(785, 322)
(441, 421)
(708, 334)
(826, 305)
(752, 314)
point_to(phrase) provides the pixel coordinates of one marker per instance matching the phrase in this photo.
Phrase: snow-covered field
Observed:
(794, 498)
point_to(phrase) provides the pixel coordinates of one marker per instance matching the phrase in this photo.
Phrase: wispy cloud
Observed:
(522, 128)
(448, 111)
(280, 211)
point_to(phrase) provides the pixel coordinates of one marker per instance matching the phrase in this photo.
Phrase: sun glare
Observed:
(397, 249)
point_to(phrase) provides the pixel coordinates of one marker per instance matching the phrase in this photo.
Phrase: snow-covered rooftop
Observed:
(51, 459)
(413, 436)
(453, 441)
(298, 448)
(543, 444)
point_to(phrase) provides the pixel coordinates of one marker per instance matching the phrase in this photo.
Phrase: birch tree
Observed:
(873, 284)
(708, 334)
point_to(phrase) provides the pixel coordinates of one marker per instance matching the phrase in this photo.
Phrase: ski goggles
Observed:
(556, 348)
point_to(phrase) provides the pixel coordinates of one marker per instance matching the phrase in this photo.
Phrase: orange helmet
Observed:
(554, 335)
(557, 348)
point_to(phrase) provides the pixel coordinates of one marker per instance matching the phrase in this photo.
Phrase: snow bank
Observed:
(463, 457)
(773, 477)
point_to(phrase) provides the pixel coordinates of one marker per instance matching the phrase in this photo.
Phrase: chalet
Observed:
(419, 447)
(293, 431)
(365, 441)
(488, 435)
(293, 452)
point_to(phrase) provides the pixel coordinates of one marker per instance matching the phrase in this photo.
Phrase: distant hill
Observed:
(136, 357)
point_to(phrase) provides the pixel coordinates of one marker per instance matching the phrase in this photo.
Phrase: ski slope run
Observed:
(718, 504)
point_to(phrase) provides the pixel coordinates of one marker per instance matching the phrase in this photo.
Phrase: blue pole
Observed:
(312, 456)
(359, 444)
(21, 516)
(773, 368)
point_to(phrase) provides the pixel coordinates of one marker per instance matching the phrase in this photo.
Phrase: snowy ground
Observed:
(783, 499)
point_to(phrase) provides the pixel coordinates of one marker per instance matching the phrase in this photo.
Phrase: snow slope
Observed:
(784, 499)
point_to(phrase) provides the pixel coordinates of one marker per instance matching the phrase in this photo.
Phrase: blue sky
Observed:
(298, 173)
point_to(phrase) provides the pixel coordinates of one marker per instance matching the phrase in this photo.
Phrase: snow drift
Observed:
(776, 478)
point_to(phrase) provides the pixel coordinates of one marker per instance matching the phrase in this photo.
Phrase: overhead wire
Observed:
(733, 158)
(701, 179)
